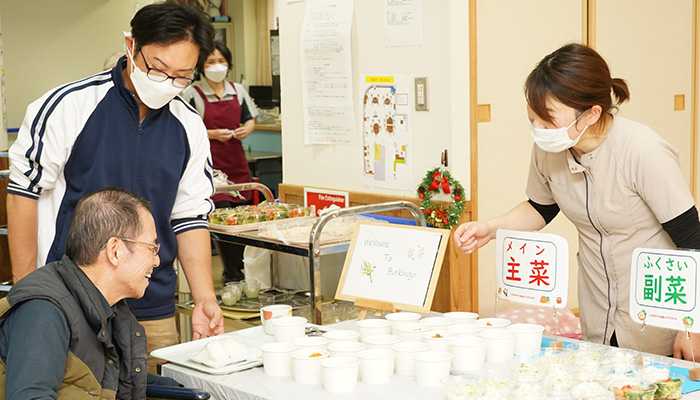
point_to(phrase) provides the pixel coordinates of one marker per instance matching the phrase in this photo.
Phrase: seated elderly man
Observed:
(65, 330)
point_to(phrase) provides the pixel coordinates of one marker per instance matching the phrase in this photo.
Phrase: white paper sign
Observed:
(664, 287)
(532, 267)
(395, 264)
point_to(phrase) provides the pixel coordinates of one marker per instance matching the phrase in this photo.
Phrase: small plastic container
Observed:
(230, 294)
(639, 392)
(251, 289)
(670, 388)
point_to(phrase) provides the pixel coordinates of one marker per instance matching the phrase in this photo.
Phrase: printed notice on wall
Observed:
(532, 268)
(326, 72)
(386, 132)
(664, 288)
(394, 264)
(403, 22)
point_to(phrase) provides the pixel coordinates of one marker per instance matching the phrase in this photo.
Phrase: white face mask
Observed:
(216, 72)
(555, 140)
(153, 94)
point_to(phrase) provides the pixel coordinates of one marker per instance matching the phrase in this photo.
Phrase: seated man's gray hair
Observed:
(101, 215)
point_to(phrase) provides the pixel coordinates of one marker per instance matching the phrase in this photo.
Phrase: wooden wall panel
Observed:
(457, 288)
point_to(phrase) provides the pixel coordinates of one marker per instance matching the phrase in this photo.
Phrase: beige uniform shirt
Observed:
(617, 197)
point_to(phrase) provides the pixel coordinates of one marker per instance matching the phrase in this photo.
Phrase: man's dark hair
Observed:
(101, 215)
(169, 23)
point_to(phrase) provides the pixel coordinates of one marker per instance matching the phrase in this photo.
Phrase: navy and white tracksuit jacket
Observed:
(86, 135)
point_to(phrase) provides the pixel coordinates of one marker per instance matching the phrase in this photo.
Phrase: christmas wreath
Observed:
(436, 215)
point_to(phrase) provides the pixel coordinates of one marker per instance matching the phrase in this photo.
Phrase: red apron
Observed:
(228, 156)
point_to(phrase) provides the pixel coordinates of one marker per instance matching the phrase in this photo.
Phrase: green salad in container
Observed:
(670, 388)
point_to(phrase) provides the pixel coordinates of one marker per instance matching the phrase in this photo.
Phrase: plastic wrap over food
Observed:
(298, 231)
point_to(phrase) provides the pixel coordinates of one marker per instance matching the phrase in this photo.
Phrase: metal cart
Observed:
(314, 250)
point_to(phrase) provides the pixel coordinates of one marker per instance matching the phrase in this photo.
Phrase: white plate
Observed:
(252, 355)
(180, 354)
(254, 337)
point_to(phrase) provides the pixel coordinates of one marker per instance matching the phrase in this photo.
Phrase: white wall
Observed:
(48, 43)
(443, 58)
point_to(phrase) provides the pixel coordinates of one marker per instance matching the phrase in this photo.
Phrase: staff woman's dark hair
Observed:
(576, 76)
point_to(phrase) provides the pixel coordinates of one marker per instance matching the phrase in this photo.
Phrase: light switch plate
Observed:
(421, 92)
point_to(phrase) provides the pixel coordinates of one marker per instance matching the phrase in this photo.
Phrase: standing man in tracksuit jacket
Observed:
(126, 127)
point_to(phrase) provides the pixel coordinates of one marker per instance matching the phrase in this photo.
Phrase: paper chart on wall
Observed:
(386, 132)
(326, 72)
(403, 22)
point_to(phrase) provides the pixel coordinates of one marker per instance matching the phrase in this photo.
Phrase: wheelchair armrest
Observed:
(175, 393)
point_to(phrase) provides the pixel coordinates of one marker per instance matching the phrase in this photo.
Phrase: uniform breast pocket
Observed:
(558, 190)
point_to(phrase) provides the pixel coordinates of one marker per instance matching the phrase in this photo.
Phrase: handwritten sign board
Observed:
(394, 264)
(664, 288)
(532, 267)
(322, 199)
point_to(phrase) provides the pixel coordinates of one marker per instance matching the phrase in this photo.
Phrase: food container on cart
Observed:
(632, 391)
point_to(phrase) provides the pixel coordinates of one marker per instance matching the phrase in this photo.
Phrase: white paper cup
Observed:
(342, 335)
(465, 329)
(307, 369)
(311, 343)
(372, 327)
(528, 338)
(268, 313)
(437, 322)
(462, 317)
(401, 318)
(346, 349)
(405, 351)
(492, 323)
(288, 328)
(381, 341)
(376, 365)
(277, 360)
(432, 367)
(438, 340)
(500, 344)
(339, 374)
(412, 332)
(468, 353)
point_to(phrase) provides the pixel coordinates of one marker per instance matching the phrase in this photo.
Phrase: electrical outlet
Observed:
(421, 91)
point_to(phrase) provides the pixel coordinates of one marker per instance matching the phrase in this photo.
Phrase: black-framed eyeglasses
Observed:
(155, 248)
(157, 75)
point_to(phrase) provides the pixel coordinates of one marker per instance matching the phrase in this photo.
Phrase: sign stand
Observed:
(392, 267)
(379, 306)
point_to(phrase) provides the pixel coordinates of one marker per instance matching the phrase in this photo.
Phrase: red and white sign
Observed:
(532, 268)
(323, 199)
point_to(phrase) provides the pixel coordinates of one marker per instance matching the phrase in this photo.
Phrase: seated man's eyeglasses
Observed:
(155, 248)
(157, 75)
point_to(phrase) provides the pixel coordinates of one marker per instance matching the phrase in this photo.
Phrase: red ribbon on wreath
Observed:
(438, 212)
(439, 180)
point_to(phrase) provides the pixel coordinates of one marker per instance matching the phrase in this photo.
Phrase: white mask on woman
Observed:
(153, 94)
(555, 140)
(216, 72)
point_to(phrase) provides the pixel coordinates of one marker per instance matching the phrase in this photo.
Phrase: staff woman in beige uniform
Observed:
(617, 180)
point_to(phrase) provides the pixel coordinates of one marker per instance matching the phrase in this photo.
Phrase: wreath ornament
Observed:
(436, 215)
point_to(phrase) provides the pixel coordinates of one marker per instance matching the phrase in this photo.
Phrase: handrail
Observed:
(247, 186)
(315, 240)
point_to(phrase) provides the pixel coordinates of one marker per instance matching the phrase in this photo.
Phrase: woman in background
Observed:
(229, 114)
